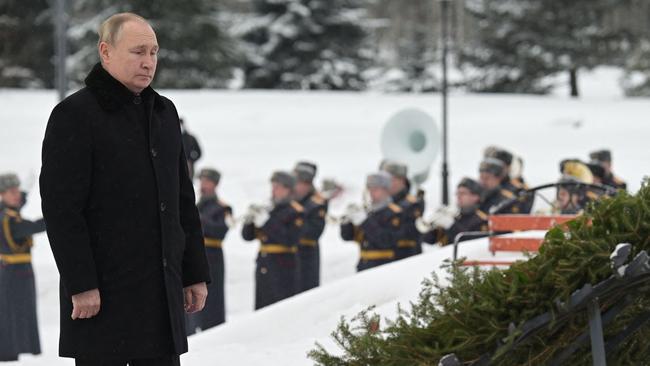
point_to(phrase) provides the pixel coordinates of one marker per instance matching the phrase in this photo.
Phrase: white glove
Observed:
(355, 214)
(230, 221)
(261, 218)
(423, 226)
(444, 217)
(249, 216)
(330, 189)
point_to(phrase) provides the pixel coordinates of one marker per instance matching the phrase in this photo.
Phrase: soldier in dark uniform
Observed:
(278, 229)
(315, 211)
(191, 146)
(570, 198)
(572, 194)
(18, 322)
(604, 158)
(377, 230)
(470, 218)
(492, 172)
(515, 185)
(597, 171)
(410, 241)
(216, 219)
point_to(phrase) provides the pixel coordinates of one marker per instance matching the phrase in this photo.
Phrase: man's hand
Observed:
(86, 304)
(195, 296)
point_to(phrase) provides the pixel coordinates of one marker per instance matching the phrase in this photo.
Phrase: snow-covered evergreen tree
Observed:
(194, 52)
(26, 44)
(522, 42)
(411, 62)
(305, 44)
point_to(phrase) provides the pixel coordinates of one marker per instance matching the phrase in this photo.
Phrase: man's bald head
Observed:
(109, 30)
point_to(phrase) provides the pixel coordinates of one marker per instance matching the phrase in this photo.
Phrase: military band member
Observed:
(597, 171)
(515, 185)
(377, 230)
(409, 242)
(570, 197)
(444, 228)
(491, 173)
(604, 158)
(573, 193)
(278, 229)
(315, 212)
(18, 322)
(216, 219)
(191, 147)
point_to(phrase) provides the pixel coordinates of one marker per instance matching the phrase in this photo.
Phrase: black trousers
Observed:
(173, 360)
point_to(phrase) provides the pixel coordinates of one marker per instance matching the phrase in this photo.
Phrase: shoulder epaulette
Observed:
(318, 199)
(11, 213)
(411, 198)
(297, 206)
(482, 215)
(395, 208)
(506, 193)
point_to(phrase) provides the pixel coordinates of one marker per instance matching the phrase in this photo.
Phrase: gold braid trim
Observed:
(15, 247)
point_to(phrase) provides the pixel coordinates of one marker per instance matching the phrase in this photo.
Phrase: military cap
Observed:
(284, 179)
(500, 154)
(379, 180)
(305, 171)
(472, 185)
(394, 168)
(7, 181)
(603, 155)
(493, 166)
(210, 174)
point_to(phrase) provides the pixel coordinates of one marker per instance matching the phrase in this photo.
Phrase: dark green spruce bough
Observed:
(471, 315)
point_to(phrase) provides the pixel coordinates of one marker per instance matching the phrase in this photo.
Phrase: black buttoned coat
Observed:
(121, 217)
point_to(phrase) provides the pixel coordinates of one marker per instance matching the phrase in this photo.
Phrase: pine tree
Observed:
(521, 43)
(636, 81)
(26, 44)
(479, 310)
(305, 44)
(409, 63)
(194, 52)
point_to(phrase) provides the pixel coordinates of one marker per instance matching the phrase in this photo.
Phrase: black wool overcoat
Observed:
(121, 217)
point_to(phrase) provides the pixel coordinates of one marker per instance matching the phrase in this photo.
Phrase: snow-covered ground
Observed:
(247, 135)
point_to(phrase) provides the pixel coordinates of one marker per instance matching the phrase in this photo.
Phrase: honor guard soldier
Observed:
(573, 194)
(491, 173)
(410, 241)
(278, 229)
(604, 158)
(516, 185)
(444, 228)
(216, 219)
(191, 147)
(18, 322)
(377, 229)
(315, 211)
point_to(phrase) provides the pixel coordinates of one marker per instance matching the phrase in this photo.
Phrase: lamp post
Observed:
(61, 47)
(444, 33)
